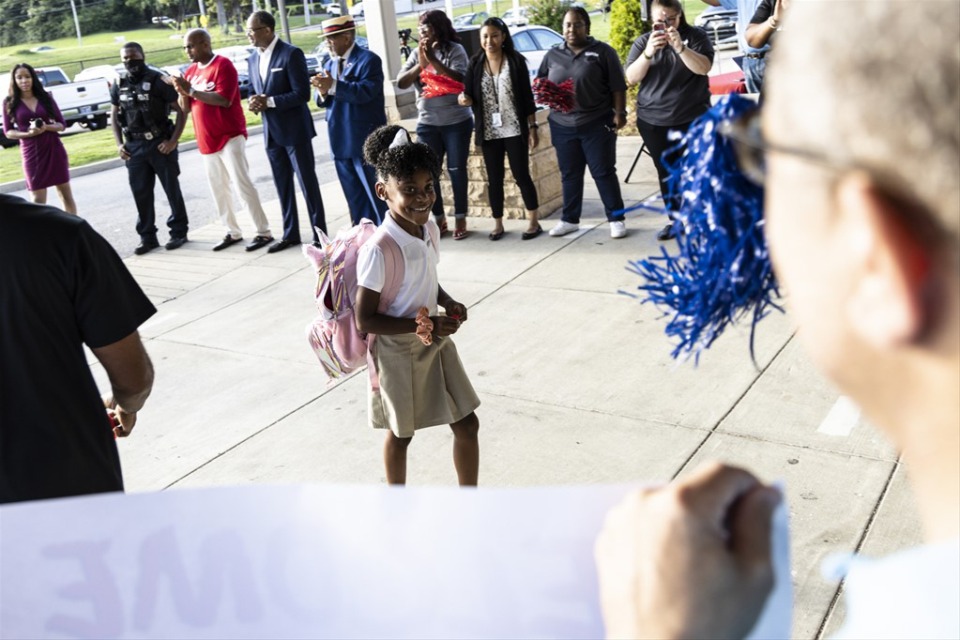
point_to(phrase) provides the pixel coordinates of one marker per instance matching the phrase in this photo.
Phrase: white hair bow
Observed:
(400, 139)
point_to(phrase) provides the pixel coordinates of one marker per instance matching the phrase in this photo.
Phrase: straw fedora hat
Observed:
(333, 26)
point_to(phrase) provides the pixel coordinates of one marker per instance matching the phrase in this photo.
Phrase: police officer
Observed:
(147, 141)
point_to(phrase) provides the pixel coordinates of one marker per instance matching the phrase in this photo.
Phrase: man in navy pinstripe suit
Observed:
(281, 89)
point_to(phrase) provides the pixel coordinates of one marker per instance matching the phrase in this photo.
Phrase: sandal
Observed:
(496, 235)
(443, 226)
(460, 232)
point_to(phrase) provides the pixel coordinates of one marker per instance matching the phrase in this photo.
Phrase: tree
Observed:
(549, 13)
(46, 20)
(626, 25)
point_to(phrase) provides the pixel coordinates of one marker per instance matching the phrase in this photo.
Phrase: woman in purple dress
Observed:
(31, 116)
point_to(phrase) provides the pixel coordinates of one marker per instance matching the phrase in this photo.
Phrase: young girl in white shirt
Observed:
(421, 380)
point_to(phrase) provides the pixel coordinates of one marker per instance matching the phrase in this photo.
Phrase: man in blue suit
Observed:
(350, 86)
(280, 92)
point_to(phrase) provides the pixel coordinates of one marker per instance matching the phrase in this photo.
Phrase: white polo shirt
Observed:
(420, 257)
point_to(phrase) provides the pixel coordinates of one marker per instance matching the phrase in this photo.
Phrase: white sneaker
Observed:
(563, 228)
(618, 229)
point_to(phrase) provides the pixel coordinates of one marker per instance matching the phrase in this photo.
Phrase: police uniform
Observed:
(145, 104)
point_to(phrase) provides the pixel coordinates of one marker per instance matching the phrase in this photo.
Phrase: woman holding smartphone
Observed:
(670, 63)
(31, 116)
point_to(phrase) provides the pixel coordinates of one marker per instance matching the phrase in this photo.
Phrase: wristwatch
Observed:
(191, 91)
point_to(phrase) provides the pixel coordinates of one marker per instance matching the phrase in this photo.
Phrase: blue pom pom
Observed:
(722, 272)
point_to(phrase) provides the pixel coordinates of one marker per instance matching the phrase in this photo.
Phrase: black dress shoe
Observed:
(667, 233)
(259, 241)
(283, 244)
(175, 243)
(146, 246)
(226, 242)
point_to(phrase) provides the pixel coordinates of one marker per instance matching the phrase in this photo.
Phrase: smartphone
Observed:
(659, 26)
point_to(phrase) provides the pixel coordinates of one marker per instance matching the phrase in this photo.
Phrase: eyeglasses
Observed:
(751, 149)
(252, 31)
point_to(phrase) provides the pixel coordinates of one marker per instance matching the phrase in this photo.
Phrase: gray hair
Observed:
(880, 89)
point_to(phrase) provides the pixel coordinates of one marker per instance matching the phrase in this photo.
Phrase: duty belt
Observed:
(146, 135)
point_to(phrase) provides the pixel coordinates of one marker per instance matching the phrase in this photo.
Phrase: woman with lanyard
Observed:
(497, 86)
(437, 71)
(670, 63)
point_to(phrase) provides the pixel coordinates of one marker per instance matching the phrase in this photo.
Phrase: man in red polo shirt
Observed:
(209, 89)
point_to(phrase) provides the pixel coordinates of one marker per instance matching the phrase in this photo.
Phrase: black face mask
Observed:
(135, 67)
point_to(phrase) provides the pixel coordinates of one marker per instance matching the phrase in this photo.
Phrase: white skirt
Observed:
(420, 386)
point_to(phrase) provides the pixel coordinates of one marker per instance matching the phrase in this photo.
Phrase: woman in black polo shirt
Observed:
(586, 135)
(671, 64)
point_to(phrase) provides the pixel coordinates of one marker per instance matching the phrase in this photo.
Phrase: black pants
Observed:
(655, 137)
(515, 149)
(145, 165)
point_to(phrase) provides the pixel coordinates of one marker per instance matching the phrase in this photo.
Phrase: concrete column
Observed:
(381, 21)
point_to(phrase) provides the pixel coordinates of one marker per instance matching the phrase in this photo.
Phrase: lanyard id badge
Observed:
(496, 119)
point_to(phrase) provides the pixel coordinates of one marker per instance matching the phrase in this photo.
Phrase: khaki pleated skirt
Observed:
(420, 386)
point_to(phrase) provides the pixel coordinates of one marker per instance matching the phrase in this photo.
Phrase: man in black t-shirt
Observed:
(62, 286)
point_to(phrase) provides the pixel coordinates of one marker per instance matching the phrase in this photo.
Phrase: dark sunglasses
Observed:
(750, 148)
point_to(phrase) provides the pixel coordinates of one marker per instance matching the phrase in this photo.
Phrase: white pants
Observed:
(230, 163)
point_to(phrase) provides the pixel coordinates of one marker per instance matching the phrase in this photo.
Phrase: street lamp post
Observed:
(76, 22)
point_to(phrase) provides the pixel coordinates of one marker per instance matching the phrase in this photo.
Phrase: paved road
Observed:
(104, 197)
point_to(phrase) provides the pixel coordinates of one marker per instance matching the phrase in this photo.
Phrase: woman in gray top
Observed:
(436, 69)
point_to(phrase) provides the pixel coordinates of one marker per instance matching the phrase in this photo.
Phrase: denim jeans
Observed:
(592, 144)
(454, 141)
(753, 70)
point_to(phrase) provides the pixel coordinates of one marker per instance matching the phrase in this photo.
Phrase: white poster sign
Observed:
(315, 562)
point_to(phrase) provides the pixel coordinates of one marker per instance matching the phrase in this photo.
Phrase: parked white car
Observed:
(238, 56)
(85, 102)
(516, 18)
(105, 71)
(533, 42)
(356, 11)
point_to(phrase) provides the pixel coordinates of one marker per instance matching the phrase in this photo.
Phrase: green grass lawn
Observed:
(163, 47)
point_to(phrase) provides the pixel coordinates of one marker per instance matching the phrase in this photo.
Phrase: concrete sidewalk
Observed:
(576, 381)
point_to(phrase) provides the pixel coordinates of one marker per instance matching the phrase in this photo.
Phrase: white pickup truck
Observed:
(86, 103)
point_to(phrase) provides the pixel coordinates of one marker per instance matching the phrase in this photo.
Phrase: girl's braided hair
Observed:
(402, 161)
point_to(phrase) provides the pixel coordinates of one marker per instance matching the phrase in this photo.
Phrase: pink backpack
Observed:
(333, 335)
